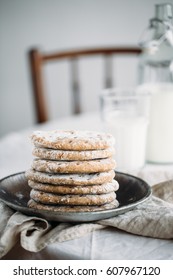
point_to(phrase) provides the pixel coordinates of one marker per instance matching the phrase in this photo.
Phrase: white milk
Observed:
(130, 135)
(160, 129)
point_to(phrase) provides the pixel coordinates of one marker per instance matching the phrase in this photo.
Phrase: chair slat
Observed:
(76, 109)
(108, 71)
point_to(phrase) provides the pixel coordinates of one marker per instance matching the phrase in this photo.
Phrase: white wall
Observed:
(57, 24)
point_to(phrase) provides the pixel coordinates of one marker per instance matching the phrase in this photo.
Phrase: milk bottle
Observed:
(156, 75)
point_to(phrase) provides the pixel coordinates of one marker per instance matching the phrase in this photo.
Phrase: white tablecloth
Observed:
(108, 243)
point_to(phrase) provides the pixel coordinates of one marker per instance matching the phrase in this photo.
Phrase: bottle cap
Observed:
(163, 17)
(163, 12)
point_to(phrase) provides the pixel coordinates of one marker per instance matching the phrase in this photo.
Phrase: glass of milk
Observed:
(125, 115)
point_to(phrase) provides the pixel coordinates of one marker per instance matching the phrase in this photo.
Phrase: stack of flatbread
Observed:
(72, 171)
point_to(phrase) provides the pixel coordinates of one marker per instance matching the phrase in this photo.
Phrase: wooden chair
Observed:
(38, 60)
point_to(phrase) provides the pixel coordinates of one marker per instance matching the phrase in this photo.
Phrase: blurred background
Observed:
(61, 25)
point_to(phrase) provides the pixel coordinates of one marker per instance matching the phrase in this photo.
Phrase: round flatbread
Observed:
(50, 198)
(72, 140)
(71, 179)
(52, 154)
(65, 208)
(89, 166)
(93, 189)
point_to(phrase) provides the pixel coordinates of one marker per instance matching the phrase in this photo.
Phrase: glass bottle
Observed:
(156, 75)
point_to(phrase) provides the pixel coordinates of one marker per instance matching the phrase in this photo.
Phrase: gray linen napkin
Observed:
(153, 218)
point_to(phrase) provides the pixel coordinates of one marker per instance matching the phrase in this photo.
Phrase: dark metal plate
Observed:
(14, 191)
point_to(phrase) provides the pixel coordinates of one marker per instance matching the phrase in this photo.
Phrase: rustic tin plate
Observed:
(14, 191)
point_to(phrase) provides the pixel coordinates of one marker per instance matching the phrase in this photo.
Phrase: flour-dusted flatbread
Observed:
(72, 140)
(70, 199)
(72, 208)
(79, 166)
(54, 154)
(71, 189)
(71, 179)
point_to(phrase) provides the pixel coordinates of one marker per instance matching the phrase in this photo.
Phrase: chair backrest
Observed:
(39, 59)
